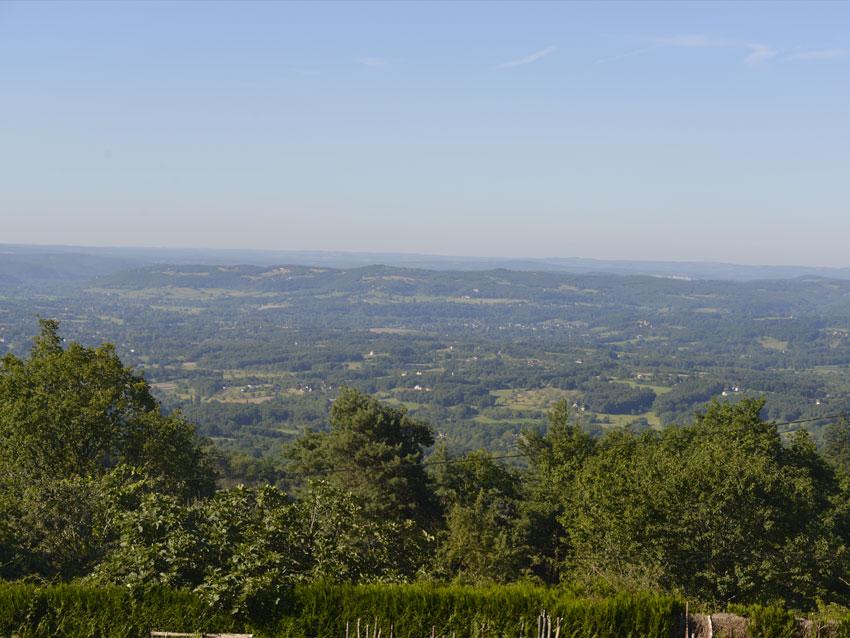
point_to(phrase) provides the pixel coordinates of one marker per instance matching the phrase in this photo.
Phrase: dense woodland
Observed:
(102, 487)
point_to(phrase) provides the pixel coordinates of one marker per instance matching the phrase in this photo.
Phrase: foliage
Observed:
(481, 541)
(374, 452)
(721, 510)
(836, 445)
(344, 544)
(244, 549)
(78, 411)
(325, 610)
(727, 508)
(768, 621)
(83, 611)
(553, 458)
(617, 398)
(74, 424)
(239, 550)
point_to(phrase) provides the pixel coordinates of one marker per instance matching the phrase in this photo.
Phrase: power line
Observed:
(336, 470)
(812, 419)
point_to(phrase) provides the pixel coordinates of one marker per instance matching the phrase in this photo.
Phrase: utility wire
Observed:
(326, 471)
(336, 470)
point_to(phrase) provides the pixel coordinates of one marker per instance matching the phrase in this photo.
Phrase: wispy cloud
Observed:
(821, 54)
(372, 62)
(534, 57)
(755, 53)
(759, 54)
(627, 54)
(696, 41)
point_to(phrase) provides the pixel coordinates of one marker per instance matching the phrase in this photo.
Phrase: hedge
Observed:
(81, 611)
(324, 611)
(473, 612)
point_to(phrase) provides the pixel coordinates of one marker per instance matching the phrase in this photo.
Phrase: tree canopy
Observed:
(74, 422)
(100, 484)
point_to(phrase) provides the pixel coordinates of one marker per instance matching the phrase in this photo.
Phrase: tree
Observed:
(481, 541)
(721, 510)
(78, 411)
(70, 420)
(836, 444)
(342, 544)
(375, 452)
(244, 549)
(554, 458)
(240, 550)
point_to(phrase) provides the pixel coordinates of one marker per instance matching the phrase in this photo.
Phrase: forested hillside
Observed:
(254, 354)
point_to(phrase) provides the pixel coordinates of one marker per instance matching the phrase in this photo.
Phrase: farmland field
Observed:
(479, 354)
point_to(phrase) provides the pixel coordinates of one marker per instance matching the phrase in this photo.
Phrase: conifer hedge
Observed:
(324, 610)
(473, 612)
(83, 611)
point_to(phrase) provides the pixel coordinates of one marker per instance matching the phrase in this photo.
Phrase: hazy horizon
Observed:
(483, 257)
(617, 131)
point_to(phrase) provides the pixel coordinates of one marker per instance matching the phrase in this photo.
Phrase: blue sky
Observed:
(698, 131)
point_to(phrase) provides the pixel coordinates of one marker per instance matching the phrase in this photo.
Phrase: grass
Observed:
(771, 343)
(483, 419)
(268, 375)
(394, 331)
(180, 293)
(537, 399)
(658, 389)
(622, 420)
(255, 399)
(379, 297)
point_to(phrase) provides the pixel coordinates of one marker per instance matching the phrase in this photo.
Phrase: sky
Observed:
(674, 131)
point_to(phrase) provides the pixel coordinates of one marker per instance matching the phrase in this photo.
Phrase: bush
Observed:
(768, 621)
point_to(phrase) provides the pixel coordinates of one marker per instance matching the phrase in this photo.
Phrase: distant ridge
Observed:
(45, 262)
